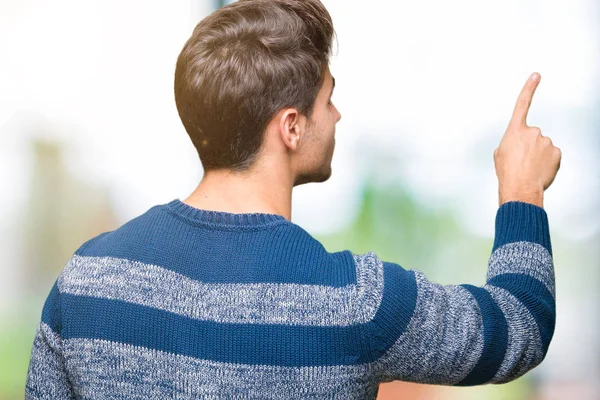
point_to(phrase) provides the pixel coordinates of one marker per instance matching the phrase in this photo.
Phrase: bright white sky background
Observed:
(425, 89)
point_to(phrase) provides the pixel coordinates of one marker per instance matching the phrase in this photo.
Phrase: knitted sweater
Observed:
(187, 303)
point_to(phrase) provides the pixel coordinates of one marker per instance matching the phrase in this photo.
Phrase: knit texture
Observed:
(187, 303)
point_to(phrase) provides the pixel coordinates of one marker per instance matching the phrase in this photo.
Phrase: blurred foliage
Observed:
(61, 213)
(16, 340)
(398, 229)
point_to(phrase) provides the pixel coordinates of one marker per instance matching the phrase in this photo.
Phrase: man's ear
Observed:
(291, 127)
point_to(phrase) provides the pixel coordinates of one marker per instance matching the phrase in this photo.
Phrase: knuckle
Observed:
(536, 131)
(558, 152)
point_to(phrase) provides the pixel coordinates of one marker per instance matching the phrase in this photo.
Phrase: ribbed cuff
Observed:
(517, 221)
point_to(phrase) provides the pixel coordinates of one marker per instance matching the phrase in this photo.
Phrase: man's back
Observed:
(221, 296)
(187, 303)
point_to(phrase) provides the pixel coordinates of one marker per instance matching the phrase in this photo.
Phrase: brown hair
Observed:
(243, 64)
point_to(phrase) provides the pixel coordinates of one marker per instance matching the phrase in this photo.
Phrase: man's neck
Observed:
(242, 193)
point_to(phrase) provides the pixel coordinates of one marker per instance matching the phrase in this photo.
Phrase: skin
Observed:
(296, 150)
(526, 161)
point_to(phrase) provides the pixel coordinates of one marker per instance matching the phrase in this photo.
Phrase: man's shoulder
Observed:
(128, 234)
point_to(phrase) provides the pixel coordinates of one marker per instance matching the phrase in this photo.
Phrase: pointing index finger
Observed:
(524, 101)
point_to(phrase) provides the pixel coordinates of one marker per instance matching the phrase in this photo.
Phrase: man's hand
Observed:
(526, 162)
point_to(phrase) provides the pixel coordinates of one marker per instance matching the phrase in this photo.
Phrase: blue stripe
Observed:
(51, 310)
(395, 311)
(518, 221)
(534, 295)
(267, 344)
(282, 254)
(495, 339)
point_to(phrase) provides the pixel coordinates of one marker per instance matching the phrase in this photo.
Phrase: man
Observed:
(222, 296)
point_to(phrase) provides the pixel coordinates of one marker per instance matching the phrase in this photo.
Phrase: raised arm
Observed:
(467, 335)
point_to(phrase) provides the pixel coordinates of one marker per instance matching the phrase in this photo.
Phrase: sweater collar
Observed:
(222, 218)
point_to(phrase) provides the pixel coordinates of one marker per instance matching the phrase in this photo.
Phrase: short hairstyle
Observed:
(244, 63)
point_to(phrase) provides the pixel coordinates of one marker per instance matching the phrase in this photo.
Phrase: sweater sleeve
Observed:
(47, 376)
(465, 335)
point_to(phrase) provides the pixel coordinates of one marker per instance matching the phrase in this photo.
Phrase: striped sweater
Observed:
(188, 303)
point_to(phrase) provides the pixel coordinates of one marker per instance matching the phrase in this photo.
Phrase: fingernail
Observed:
(535, 77)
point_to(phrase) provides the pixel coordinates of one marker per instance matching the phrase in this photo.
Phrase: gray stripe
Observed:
(157, 287)
(108, 370)
(46, 376)
(525, 258)
(524, 350)
(444, 338)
